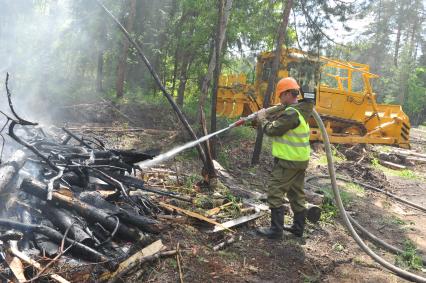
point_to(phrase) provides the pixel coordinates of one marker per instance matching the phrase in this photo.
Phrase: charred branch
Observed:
(65, 220)
(89, 212)
(77, 138)
(9, 99)
(142, 222)
(78, 249)
(30, 147)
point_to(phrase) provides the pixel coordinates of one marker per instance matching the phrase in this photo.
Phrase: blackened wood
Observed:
(76, 138)
(9, 99)
(208, 166)
(89, 212)
(30, 147)
(26, 218)
(63, 220)
(144, 223)
(75, 179)
(9, 170)
(139, 184)
(78, 249)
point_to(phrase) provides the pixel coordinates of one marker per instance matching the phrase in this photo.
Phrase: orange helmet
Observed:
(286, 84)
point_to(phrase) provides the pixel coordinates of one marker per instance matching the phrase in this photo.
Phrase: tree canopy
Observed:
(66, 51)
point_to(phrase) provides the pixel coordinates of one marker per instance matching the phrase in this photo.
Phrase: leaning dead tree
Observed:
(157, 80)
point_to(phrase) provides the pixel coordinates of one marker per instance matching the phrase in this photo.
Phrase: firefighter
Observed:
(289, 131)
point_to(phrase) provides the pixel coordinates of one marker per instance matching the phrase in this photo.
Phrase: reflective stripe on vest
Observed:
(294, 144)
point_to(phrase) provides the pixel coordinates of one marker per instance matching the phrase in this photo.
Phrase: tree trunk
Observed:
(413, 36)
(175, 67)
(272, 77)
(182, 81)
(186, 62)
(122, 63)
(101, 39)
(222, 20)
(224, 11)
(397, 43)
(100, 71)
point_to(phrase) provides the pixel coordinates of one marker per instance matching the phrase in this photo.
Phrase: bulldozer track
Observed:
(346, 122)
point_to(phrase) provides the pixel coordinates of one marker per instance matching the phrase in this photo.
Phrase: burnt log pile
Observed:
(70, 208)
(67, 197)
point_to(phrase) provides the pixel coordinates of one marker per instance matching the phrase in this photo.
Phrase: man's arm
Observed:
(279, 126)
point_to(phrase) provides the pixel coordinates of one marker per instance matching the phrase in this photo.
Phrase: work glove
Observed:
(261, 115)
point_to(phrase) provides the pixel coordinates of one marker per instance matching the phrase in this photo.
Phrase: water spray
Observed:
(171, 153)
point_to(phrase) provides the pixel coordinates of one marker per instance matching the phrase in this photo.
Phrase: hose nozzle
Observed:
(253, 116)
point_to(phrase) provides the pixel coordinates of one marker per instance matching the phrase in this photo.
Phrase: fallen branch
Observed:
(178, 256)
(140, 262)
(128, 264)
(9, 99)
(226, 243)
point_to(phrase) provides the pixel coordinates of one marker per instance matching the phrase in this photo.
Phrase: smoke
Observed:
(35, 48)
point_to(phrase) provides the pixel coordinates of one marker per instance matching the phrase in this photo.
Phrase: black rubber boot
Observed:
(298, 224)
(277, 223)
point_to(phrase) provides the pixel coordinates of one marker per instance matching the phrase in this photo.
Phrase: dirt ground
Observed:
(326, 253)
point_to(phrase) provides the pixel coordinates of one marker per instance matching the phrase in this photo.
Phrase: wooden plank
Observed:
(236, 222)
(194, 215)
(149, 250)
(17, 268)
(216, 210)
(37, 265)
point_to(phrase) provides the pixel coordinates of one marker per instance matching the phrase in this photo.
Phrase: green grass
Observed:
(191, 180)
(223, 157)
(375, 162)
(204, 201)
(355, 188)
(338, 247)
(409, 259)
(228, 255)
(393, 220)
(243, 133)
(337, 157)
(347, 194)
(406, 173)
(191, 153)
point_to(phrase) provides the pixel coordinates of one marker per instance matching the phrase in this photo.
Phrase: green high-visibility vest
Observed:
(294, 144)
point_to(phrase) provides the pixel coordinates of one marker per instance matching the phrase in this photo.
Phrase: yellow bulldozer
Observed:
(344, 98)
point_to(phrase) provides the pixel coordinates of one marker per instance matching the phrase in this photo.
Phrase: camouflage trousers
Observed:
(285, 182)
